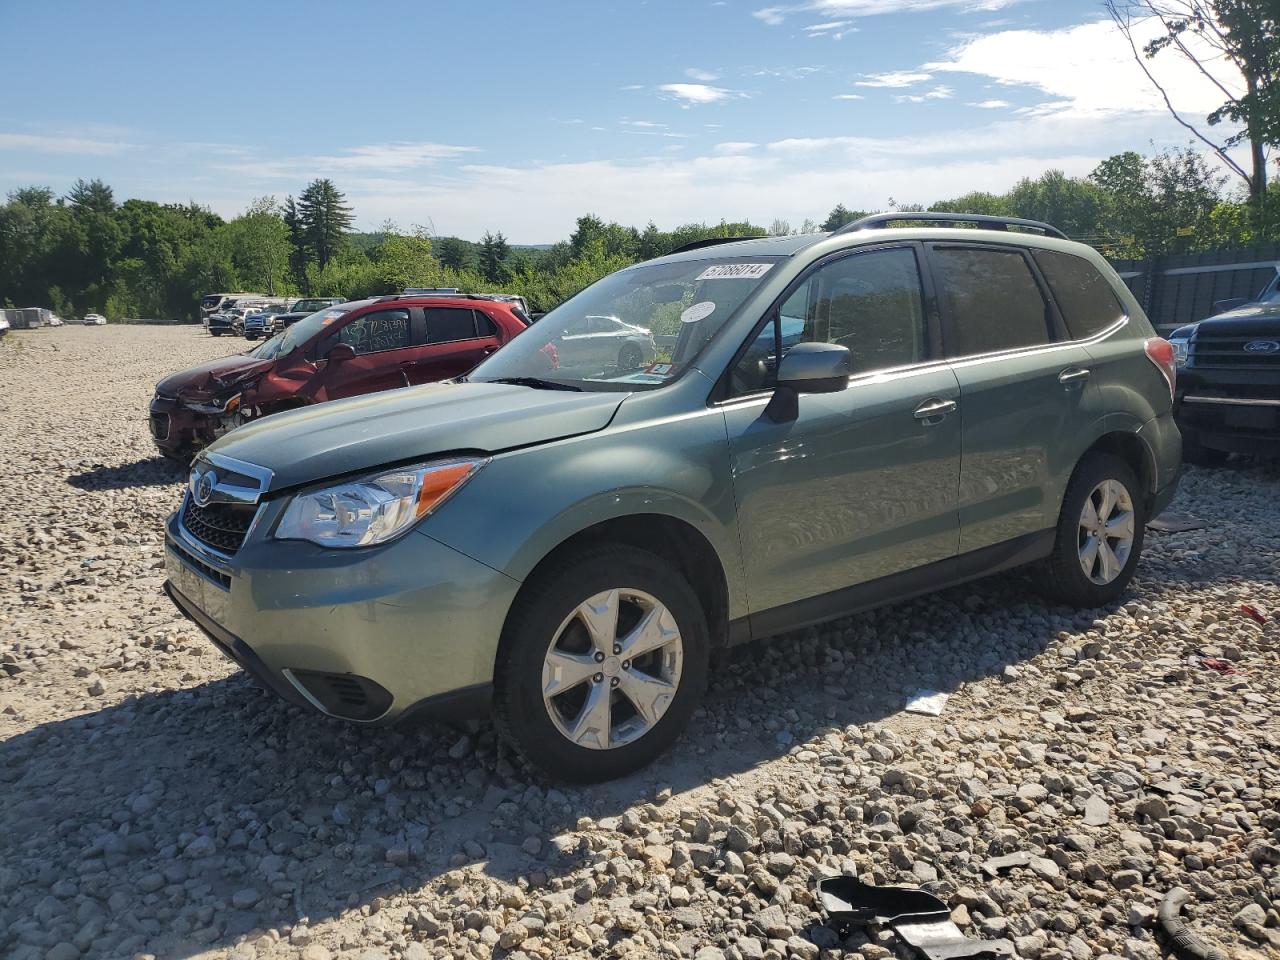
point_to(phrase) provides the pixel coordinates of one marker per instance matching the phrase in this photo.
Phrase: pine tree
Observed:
(325, 219)
(493, 250)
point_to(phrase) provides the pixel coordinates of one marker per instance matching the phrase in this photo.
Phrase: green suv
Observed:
(564, 537)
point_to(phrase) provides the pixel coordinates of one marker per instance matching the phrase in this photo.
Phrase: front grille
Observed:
(200, 567)
(160, 426)
(222, 526)
(1230, 353)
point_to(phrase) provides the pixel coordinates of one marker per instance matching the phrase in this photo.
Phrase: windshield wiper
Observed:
(536, 382)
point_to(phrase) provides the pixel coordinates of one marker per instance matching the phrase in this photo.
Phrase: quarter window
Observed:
(870, 302)
(377, 331)
(995, 302)
(1084, 296)
(447, 324)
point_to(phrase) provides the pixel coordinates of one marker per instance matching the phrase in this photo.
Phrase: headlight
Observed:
(228, 405)
(370, 510)
(1179, 351)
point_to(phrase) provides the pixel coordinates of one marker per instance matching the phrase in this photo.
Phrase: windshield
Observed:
(1272, 293)
(308, 327)
(268, 349)
(636, 329)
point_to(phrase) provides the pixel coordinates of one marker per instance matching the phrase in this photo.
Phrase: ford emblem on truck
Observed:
(1262, 346)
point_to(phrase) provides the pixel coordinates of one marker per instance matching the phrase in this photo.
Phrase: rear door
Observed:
(455, 339)
(1026, 396)
(383, 341)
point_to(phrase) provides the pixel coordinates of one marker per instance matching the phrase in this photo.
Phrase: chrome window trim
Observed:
(975, 358)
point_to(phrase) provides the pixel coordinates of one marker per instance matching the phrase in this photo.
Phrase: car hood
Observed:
(213, 378)
(395, 426)
(1252, 319)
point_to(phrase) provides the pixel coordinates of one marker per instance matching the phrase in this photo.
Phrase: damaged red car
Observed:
(342, 351)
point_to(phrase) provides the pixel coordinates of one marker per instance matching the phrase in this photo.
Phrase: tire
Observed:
(547, 613)
(1061, 575)
(1201, 456)
(216, 333)
(630, 357)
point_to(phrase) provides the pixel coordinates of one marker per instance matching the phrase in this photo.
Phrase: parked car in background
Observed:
(605, 341)
(212, 303)
(1229, 379)
(568, 545)
(511, 298)
(94, 320)
(301, 308)
(343, 351)
(4, 324)
(260, 323)
(219, 323)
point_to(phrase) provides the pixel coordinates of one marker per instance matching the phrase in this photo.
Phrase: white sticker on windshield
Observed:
(697, 312)
(735, 271)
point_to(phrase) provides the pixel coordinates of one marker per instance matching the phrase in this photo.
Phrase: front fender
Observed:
(527, 502)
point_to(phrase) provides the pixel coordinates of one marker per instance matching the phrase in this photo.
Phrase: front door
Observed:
(383, 340)
(1026, 391)
(862, 485)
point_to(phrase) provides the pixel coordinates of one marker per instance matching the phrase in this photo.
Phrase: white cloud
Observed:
(691, 93)
(40, 143)
(734, 146)
(870, 8)
(704, 76)
(771, 15)
(787, 73)
(1086, 70)
(940, 92)
(370, 158)
(647, 124)
(834, 29)
(848, 96)
(633, 86)
(894, 78)
(990, 104)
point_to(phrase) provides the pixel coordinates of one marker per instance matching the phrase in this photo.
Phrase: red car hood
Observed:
(214, 378)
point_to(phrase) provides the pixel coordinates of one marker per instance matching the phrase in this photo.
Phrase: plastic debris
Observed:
(1224, 667)
(928, 702)
(917, 916)
(1176, 523)
(1253, 613)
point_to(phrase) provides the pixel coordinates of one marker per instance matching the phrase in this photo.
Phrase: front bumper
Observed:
(365, 635)
(1240, 424)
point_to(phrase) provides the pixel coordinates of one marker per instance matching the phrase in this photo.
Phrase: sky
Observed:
(519, 117)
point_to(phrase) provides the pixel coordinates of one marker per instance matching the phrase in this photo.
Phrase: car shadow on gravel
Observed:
(181, 820)
(151, 472)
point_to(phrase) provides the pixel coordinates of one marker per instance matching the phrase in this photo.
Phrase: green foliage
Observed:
(325, 220)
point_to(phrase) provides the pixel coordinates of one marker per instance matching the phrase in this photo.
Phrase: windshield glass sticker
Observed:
(661, 369)
(735, 271)
(698, 311)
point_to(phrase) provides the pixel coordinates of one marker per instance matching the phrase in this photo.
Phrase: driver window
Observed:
(377, 331)
(870, 302)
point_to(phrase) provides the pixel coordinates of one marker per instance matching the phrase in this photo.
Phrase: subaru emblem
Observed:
(1262, 346)
(202, 489)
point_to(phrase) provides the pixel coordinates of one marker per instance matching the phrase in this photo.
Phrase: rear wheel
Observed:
(1099, 536)
(603, 661)
(216, 333)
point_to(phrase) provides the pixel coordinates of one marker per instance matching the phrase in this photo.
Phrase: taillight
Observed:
(1160, 352)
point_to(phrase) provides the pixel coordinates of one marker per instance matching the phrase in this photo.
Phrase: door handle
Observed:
(489, 350)
(1073, 375)
(934, 409)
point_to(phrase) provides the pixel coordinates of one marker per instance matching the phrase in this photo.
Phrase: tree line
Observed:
(84, 252)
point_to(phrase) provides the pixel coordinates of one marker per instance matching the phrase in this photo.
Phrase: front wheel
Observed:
(1099, 535)
(216, 333)
(603, 661)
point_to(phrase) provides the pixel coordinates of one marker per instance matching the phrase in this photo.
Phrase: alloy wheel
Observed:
(1106, 532)
(612, 669)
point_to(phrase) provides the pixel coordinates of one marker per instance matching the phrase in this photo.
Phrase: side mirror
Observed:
(1222, 306)
(808, 368)
(341, 353)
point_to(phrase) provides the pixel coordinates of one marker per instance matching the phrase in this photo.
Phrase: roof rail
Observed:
(709, 242)
(979, 219)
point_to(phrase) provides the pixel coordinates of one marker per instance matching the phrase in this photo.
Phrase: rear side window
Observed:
(993, 299)
(1087, 302)
(447, 324)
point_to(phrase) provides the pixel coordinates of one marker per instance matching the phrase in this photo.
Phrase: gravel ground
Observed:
(154, 802)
